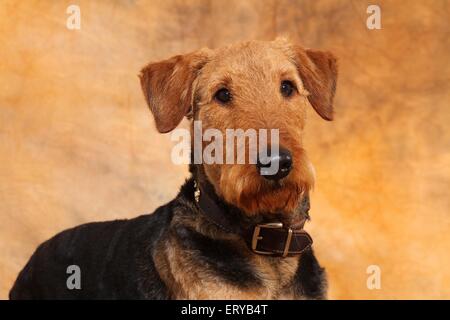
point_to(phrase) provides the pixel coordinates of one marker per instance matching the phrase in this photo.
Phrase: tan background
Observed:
(77, 142)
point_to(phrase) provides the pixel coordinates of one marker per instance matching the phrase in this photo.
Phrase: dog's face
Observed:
(251, 85)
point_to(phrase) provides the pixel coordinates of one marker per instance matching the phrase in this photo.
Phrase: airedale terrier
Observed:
(232, 232)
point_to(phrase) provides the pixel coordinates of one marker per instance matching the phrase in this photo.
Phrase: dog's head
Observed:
(248, 86)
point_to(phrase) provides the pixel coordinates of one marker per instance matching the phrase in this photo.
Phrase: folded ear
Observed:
(167, 87)
(318, 71)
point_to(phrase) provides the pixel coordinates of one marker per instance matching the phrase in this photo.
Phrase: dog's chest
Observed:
(272, 284)
(190, 274)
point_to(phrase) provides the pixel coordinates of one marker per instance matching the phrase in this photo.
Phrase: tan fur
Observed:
(253, 72)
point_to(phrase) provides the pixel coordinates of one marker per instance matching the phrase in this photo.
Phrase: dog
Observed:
(231, 232)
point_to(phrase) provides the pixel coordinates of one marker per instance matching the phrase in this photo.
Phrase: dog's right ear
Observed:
(167, 87)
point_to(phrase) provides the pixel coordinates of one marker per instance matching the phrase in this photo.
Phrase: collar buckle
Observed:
(272, 225)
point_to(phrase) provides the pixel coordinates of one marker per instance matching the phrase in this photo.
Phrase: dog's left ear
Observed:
(318, 71)
(167, 87)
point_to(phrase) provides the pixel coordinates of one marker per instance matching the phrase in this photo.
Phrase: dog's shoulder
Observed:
(103, 252)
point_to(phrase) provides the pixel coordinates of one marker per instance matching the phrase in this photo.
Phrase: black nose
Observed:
(268, 168)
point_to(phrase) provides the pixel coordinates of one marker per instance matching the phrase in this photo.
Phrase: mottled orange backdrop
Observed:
(78, 144)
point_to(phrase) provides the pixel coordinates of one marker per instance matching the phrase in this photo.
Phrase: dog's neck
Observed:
(275, 229)
(236, 217)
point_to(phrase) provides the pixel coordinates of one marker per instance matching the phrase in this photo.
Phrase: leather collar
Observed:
(265, 237)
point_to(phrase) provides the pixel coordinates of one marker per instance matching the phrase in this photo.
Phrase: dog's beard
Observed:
(242, 186)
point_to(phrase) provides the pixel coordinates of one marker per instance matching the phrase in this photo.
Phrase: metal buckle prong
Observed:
(287, 243)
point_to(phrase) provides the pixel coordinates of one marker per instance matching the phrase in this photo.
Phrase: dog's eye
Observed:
(287, 88)
(223, 95)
